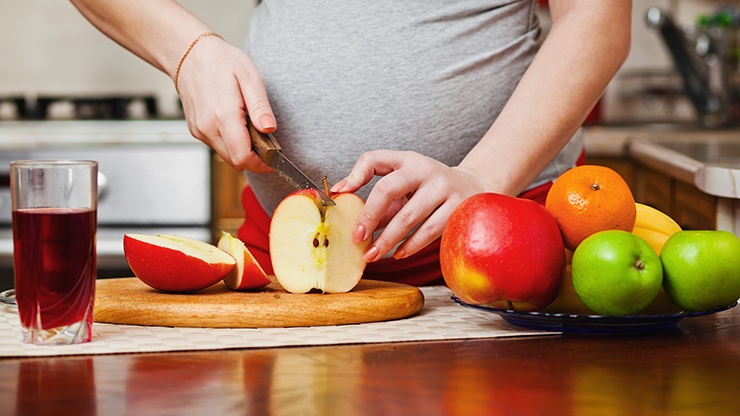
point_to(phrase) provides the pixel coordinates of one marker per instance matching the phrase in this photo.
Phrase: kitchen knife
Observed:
(271, 153)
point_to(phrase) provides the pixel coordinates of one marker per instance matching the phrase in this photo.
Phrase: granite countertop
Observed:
(708, 159)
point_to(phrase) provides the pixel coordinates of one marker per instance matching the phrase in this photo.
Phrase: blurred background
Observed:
(49, 49)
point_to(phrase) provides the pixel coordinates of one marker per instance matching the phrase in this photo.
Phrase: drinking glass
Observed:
(54, 204)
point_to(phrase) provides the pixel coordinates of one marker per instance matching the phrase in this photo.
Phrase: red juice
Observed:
(54, 265)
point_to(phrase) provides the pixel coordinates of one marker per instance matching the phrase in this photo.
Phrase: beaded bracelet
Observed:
(187, 51)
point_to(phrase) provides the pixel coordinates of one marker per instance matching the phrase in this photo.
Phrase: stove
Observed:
(79, 107)
(97, 107)
(13, 107)
(154, 178)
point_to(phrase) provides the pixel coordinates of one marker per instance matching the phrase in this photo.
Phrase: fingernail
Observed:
(359, 234)
(370, 254)
(339, 186)
(267, 122)
(399, 254)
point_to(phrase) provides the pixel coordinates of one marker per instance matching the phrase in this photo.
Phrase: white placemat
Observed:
(440, 319)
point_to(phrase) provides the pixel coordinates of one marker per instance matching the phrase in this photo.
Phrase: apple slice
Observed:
(175, 264)
(247, 274)
(311, 245)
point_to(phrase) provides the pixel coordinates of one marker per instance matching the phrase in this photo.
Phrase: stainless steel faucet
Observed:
(708, 67)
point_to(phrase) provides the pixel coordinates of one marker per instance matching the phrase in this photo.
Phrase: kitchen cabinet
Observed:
(625, 167)
(654, 189)
(608, 147)
(691, 208)
(227, 185)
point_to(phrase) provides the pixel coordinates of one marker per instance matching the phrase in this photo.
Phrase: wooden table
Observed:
(693, 370)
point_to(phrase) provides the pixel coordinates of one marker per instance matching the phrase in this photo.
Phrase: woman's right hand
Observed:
(219, 86)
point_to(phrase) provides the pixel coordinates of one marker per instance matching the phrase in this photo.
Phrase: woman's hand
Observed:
(219, 85)
(416, 193)
(217, 82)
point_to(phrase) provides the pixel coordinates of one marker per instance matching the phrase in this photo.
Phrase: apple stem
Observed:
(322, 208)
(639, 265)
(326, 184)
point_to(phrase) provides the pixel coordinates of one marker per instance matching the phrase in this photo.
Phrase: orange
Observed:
(588, 199)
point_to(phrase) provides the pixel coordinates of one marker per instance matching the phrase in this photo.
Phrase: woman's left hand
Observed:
(416, 193)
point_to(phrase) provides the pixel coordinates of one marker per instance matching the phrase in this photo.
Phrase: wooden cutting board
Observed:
(129, 301)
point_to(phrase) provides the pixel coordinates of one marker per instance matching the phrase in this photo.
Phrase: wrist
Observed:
(178, 67)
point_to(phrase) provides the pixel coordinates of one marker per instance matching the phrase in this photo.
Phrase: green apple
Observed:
(702, 269)
(616, 273)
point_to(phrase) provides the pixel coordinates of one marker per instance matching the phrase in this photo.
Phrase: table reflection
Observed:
(692, 370)
(44, 383)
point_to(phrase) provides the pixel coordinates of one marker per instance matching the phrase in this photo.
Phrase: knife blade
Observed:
(269, 150)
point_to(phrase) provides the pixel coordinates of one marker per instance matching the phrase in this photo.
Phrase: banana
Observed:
(652, 219)
(654, 226)
(655, 239)
(567, 301)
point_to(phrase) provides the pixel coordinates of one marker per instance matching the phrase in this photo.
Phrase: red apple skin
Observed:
(170, 270)
(253, 277)
(503, 251)
(247, 274)
(313, 194)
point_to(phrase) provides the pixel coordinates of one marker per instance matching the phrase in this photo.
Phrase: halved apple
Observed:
(311, 245)
(175, 264)
(247, 274)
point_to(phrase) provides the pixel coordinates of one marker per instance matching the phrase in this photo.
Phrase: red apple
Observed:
(311, 245)
(247, 274)
(175, 264)
(502, 251)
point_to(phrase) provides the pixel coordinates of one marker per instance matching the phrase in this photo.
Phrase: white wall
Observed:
(47, 47)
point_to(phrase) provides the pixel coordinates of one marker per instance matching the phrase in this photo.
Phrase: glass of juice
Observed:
(54, 204)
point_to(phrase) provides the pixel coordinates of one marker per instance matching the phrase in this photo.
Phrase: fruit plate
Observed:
(595, 324)
(7, 300)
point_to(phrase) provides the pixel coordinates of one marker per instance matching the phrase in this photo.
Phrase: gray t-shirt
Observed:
(430, 76)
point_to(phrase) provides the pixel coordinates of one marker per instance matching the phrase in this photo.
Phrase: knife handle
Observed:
(263, 144)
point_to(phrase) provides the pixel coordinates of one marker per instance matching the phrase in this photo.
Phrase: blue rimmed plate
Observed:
(7, 299)
(595, 324)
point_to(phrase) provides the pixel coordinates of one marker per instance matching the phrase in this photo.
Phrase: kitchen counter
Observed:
(712, 164)
(707, 159)
(694, 370)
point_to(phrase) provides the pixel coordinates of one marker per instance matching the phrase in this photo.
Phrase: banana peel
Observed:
(650, 218)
